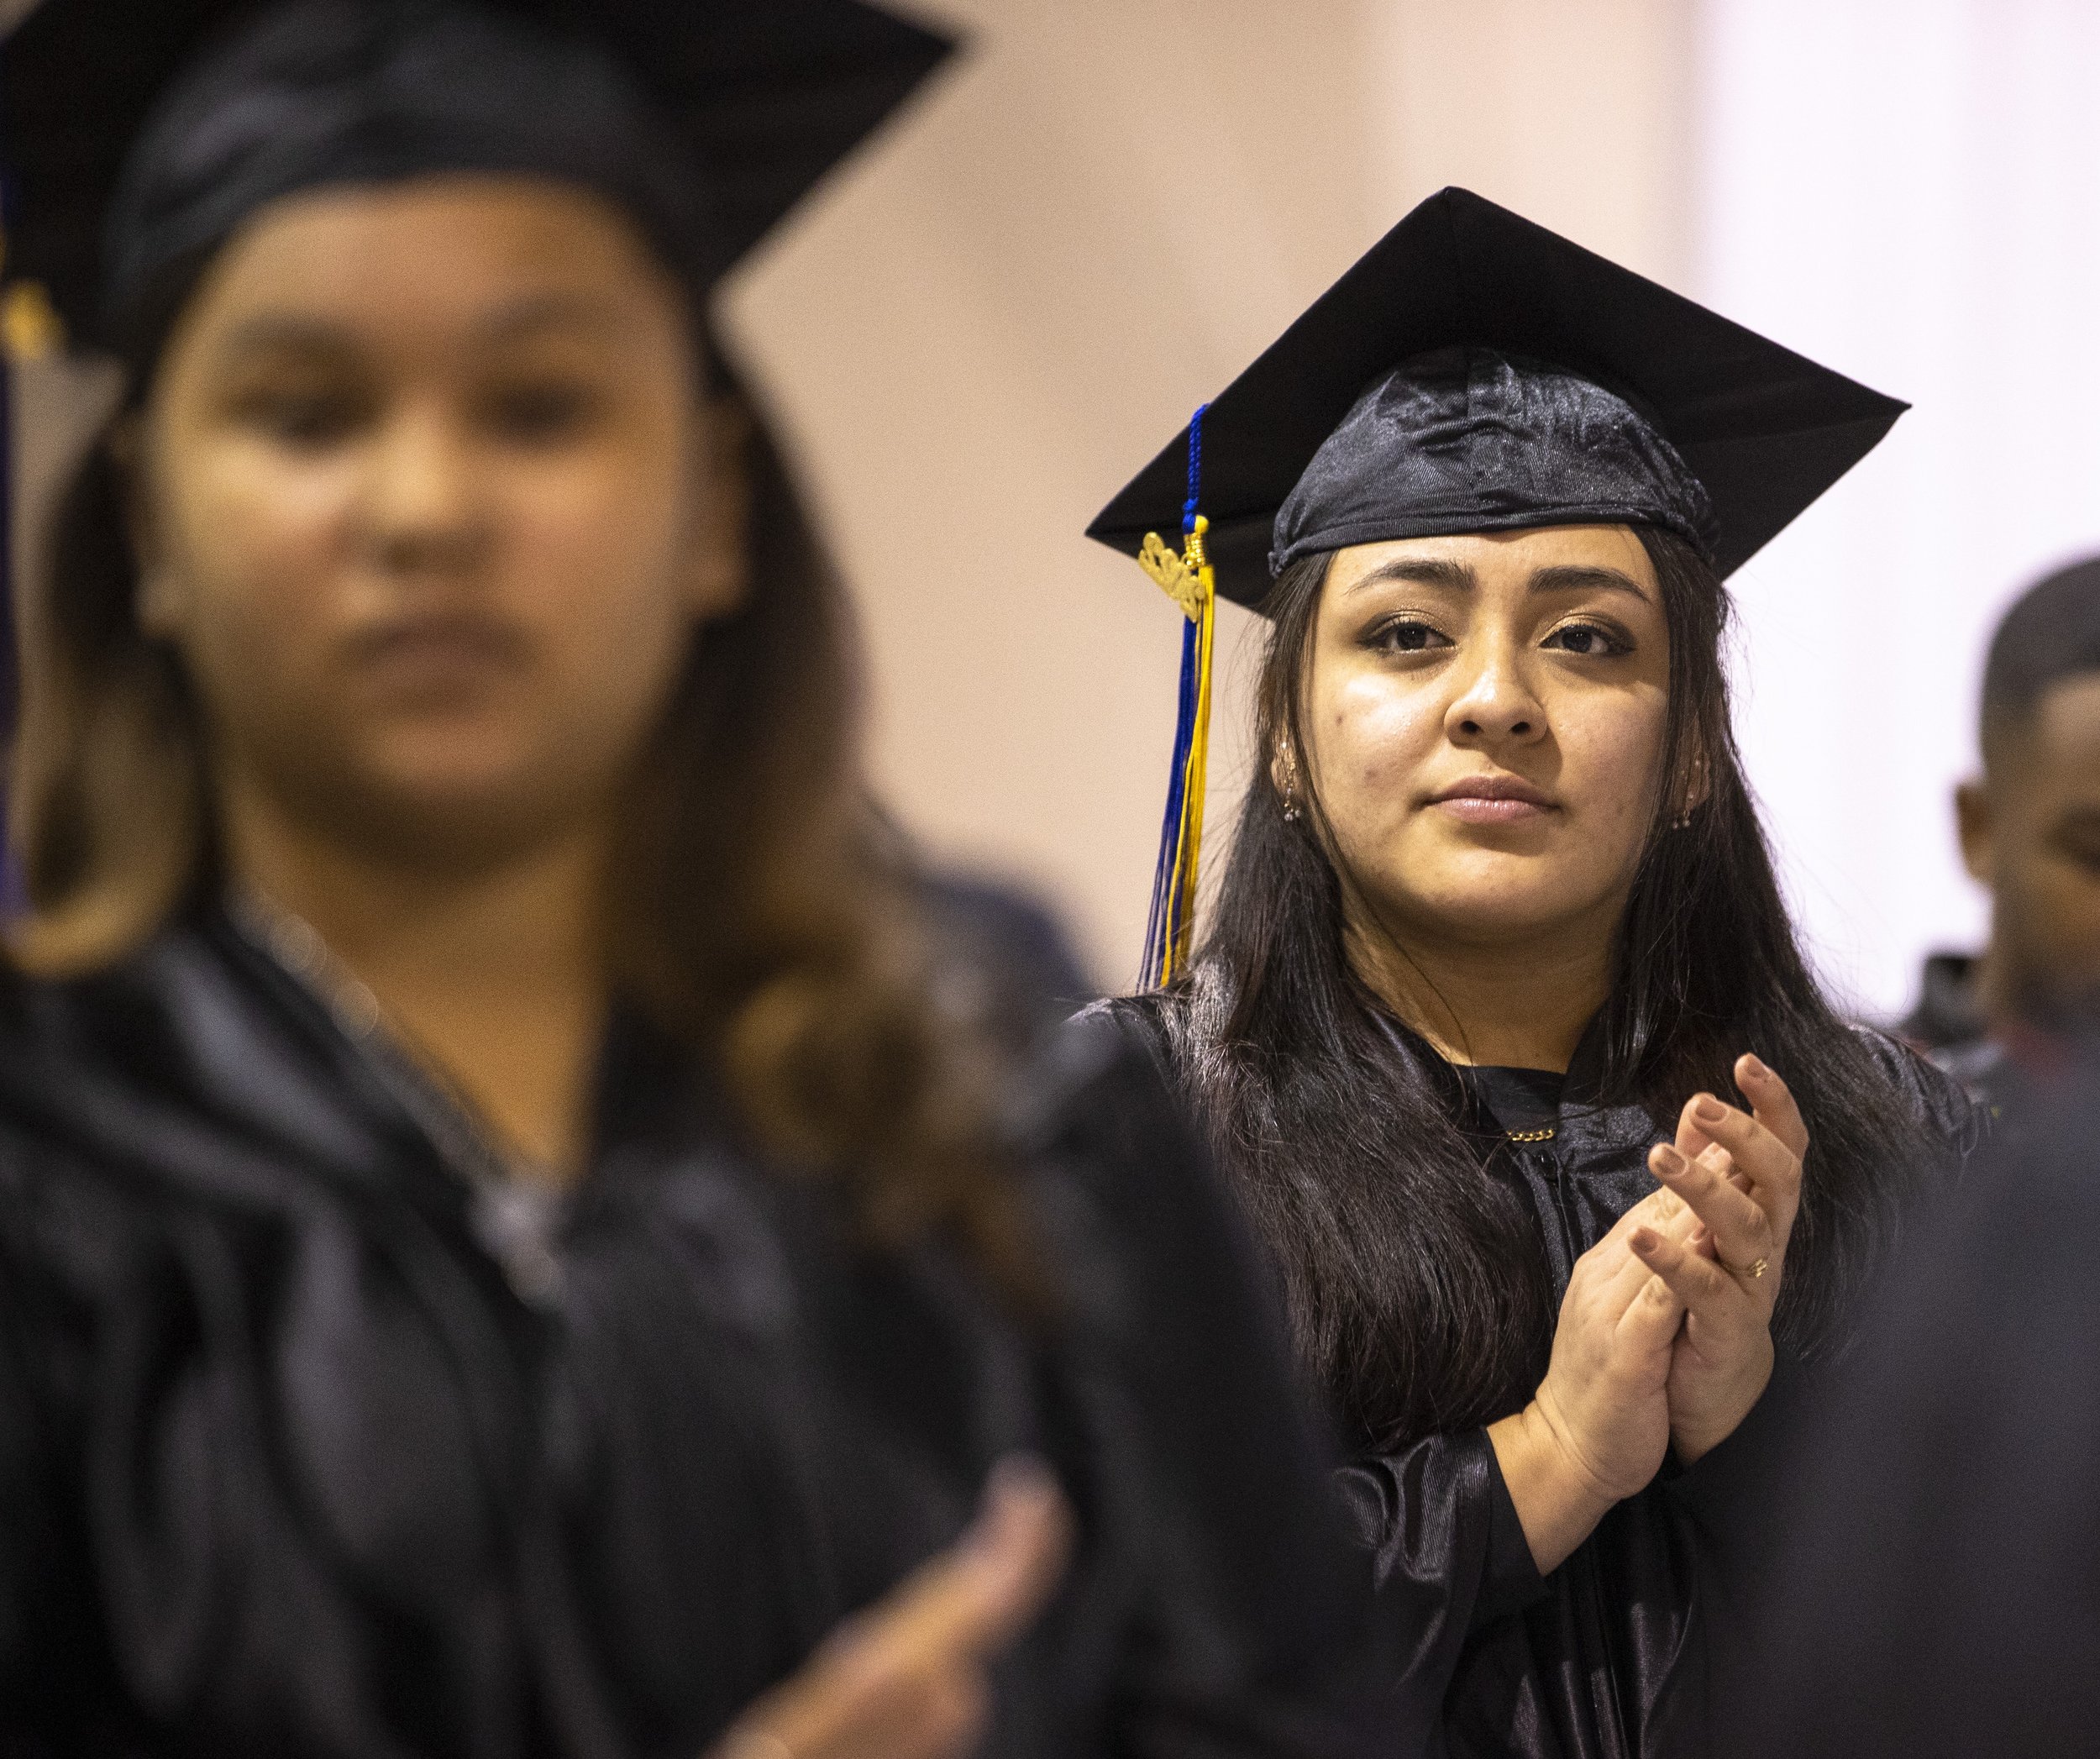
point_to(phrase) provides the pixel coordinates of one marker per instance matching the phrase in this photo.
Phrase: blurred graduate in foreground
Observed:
(512, 1223)
(1938, 1586)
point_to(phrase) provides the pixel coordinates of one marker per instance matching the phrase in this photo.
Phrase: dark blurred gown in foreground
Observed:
(1938, 1592)
(319, 1437)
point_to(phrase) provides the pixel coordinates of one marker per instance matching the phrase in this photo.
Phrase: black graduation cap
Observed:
(1553, 360)
(767, 97)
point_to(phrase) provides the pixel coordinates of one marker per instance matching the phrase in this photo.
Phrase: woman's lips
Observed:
(1493, 799)
(438, 655)
(1471, 810)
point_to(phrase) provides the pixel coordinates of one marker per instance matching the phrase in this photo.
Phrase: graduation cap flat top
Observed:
(764, 97)
(1556, 361)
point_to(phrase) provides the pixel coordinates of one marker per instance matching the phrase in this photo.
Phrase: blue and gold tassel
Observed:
(29, 330)
(1189, 581)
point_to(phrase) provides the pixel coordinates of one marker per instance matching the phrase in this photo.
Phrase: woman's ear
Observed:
(162, 605)
(1283, 775)
(1697, 784)
(718, 569)
(162, 602)
(1975, 824)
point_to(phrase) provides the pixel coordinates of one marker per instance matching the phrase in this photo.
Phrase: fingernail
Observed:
(1644, 1240)
(1755, 1067)
(1019, 1475)
(1708, 1109)
(1015, 1483)
(1666, 1162)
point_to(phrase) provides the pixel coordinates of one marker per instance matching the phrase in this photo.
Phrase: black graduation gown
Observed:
(309, 1446)
(1615, 1653)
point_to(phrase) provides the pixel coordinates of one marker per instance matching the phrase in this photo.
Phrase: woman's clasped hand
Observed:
(1739, 1174)
(910, 1678)
(1665, 1335)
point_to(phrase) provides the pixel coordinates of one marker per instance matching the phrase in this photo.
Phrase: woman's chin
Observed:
(1500, 902)
(449, 811)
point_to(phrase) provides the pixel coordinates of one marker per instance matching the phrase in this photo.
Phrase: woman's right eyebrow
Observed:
(283, 332)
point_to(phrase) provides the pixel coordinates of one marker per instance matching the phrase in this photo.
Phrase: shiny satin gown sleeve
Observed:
(1448, 1558)
(1253, 1636)
(48, 1653)
(26, 1506)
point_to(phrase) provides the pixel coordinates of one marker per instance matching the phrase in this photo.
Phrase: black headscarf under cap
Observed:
(345, 91)
(1469, 439)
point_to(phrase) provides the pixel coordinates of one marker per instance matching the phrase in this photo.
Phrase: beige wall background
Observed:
(1101, 212)
(977, 330)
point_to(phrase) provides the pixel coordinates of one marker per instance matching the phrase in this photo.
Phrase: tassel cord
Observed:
(1191, 582)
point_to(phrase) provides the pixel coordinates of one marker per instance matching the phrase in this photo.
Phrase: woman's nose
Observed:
(422, 509)
(1495, 700)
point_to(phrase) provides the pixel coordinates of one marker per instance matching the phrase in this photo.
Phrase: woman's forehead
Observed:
(1494, 559)
(497, 256)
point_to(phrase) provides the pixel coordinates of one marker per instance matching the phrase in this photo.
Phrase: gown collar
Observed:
(1581, 1090)
(207, 1066)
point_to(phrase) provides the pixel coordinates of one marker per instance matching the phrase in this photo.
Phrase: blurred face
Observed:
(2031, 832)
(429, 507)
(1485, 716)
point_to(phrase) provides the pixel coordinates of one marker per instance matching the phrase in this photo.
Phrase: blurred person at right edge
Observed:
(1574, 1179)
(525, 1231)
(2030, 832)
(1935, 1585)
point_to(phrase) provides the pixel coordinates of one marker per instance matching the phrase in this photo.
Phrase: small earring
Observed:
(1682, 821)
(1292, 813)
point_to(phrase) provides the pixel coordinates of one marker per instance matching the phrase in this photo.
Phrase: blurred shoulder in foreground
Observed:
(1007, 958)
(1938, 1593)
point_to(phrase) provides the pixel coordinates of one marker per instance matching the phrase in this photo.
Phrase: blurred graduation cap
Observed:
(751, 103)
(137, 135)
(1472, 372)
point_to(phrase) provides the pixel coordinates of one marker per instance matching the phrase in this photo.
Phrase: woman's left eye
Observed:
(540, 413)
(1591, 639)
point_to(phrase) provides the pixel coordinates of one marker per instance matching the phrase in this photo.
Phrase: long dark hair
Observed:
(1417, 1288)
(762, 909)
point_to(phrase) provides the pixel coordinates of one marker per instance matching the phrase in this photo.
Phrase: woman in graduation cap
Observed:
(1569, 1170)
(514, 1221)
